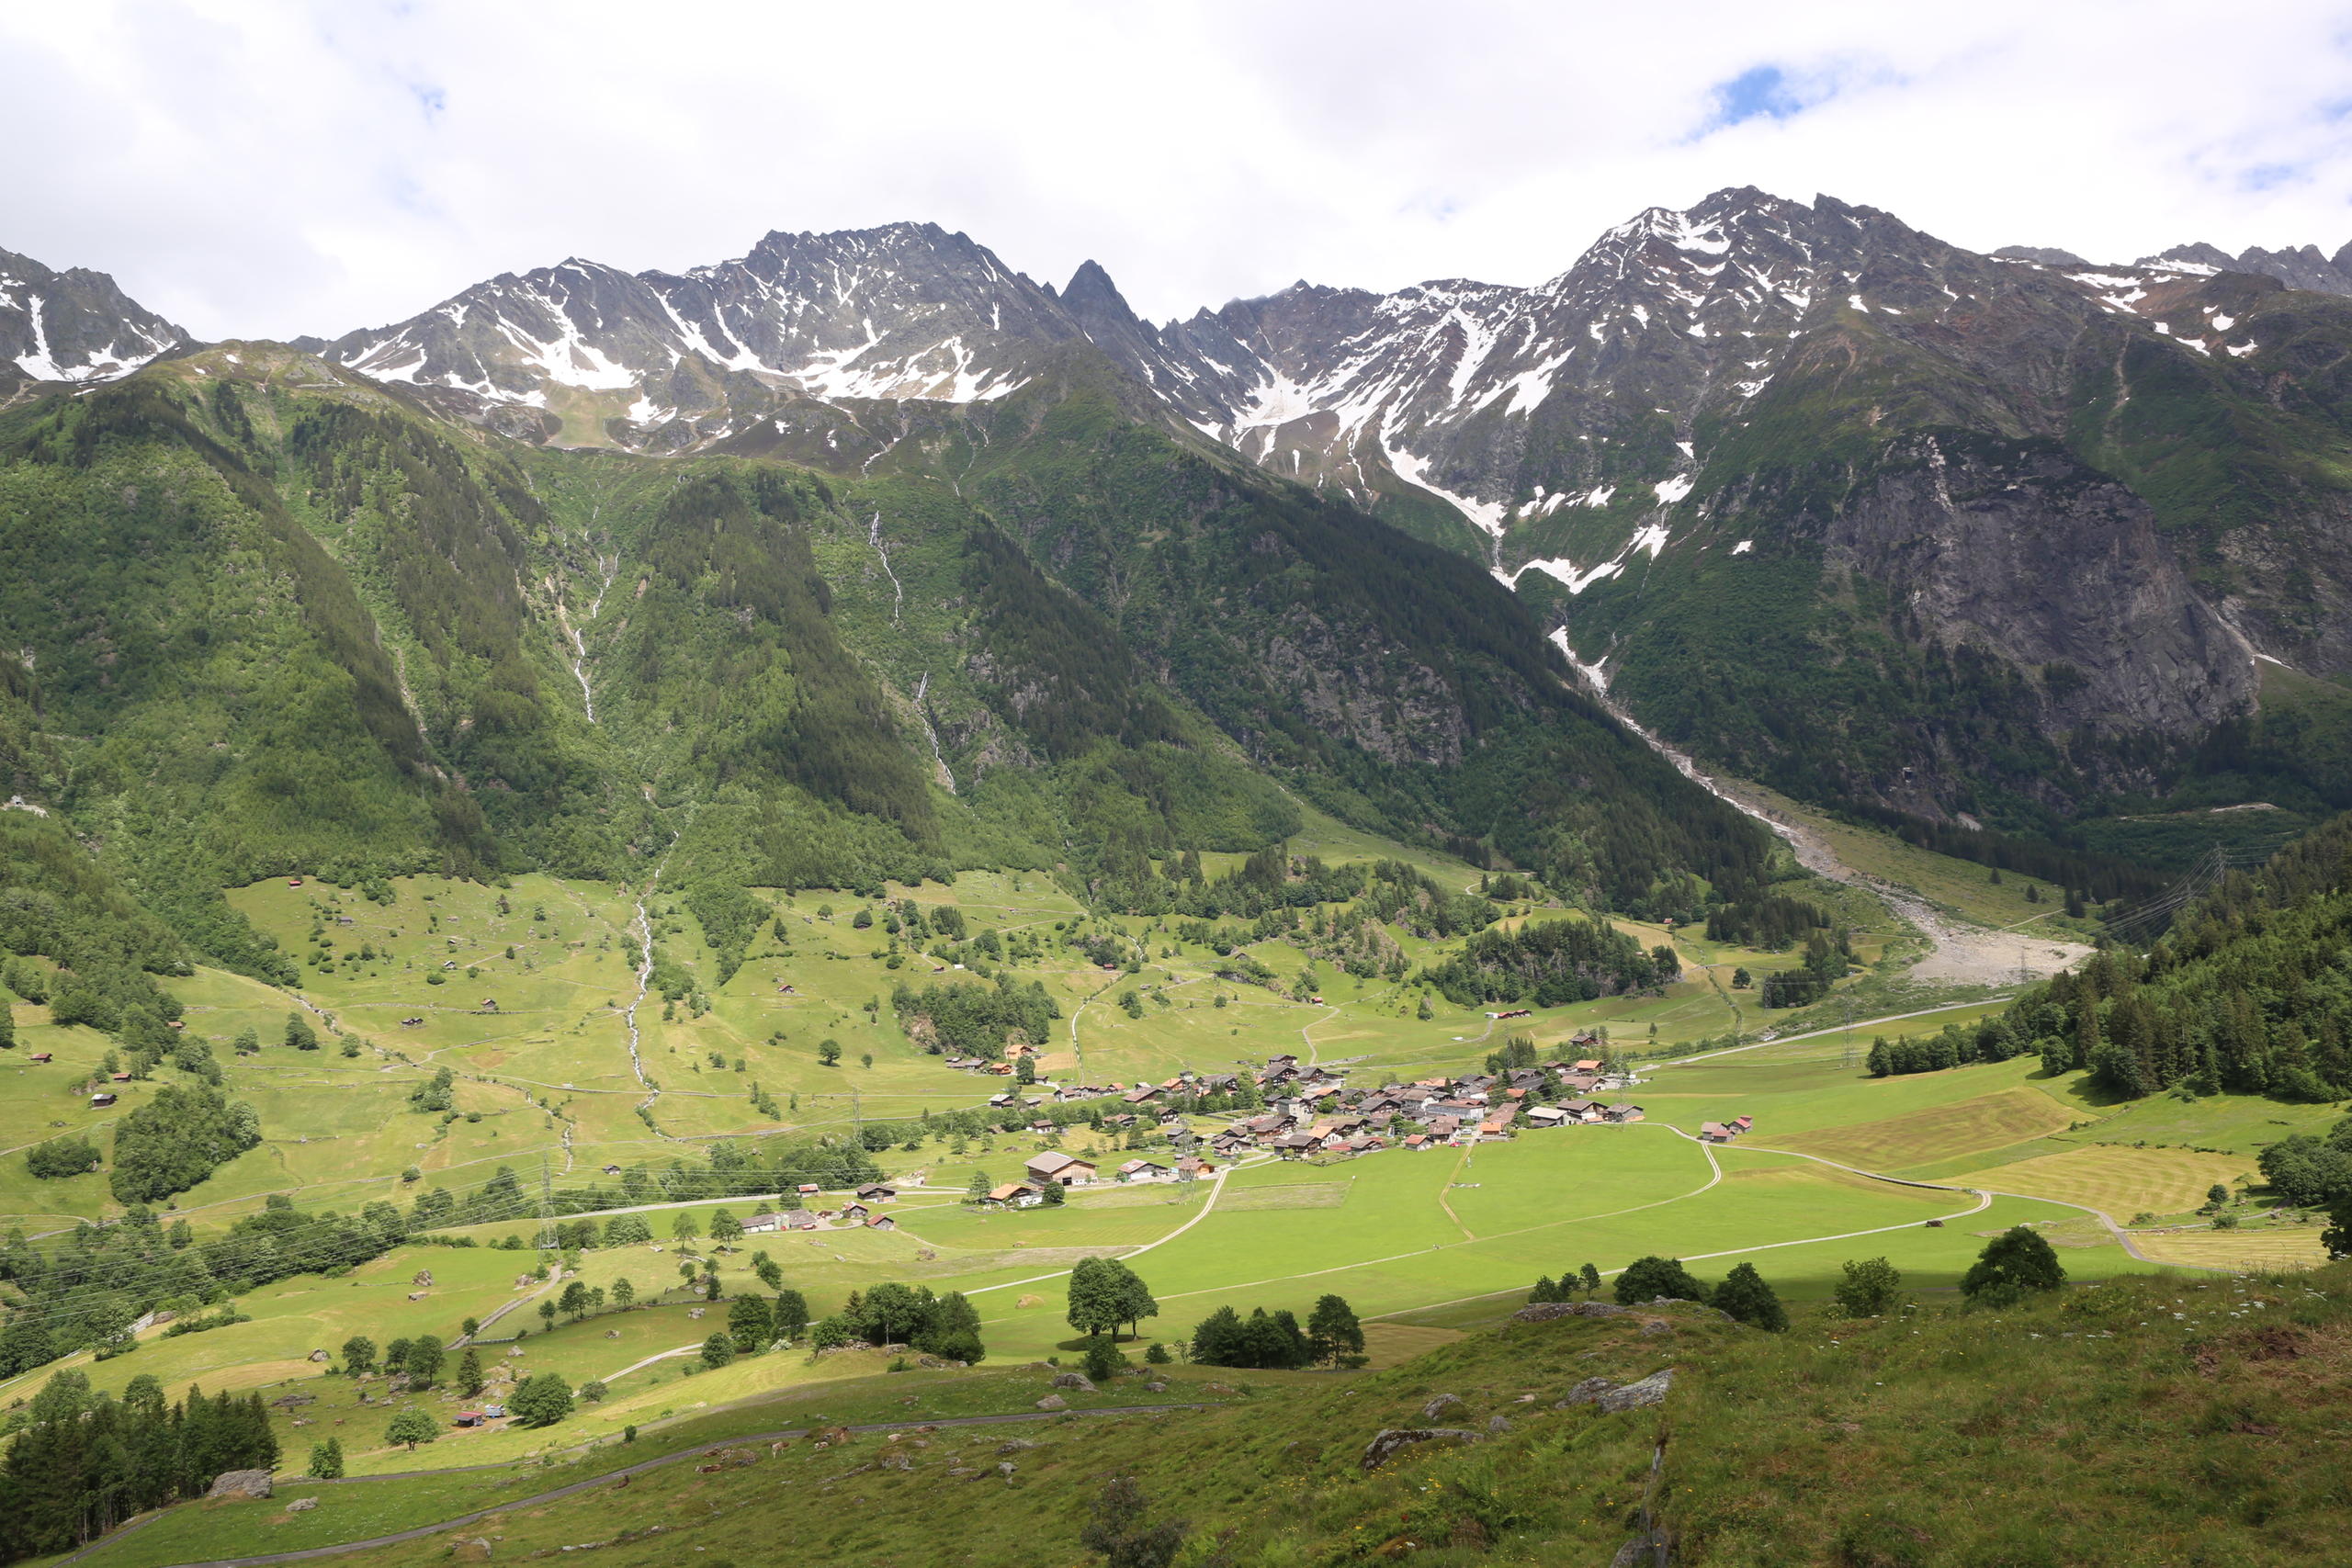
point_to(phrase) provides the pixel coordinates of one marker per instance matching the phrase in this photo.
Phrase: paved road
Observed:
(421, 1532)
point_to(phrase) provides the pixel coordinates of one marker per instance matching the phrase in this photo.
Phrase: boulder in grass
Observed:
(1079, 1380)
(1444, 1404)
(241, 1483)
(301, 1505)
(1544, 1312)
(1650, 1390)
(1586, 1393)
(1386, 1446)
(1052, 1402)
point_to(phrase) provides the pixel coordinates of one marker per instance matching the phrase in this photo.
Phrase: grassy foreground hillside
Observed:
(2146, 1421)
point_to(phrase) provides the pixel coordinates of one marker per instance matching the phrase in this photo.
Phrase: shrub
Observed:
(1745, 1296)
(1648, 1279)
(1871, 1287)
(2018, 1261)
(1103, 1361)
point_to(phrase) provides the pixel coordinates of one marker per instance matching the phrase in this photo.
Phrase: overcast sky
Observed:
(255, 168)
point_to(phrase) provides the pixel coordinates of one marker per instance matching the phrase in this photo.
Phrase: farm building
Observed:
(1055, 1165)
(1015, 1195)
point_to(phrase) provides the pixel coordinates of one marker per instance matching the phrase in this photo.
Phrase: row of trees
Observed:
(1992, 1040)
(2013, 1266)
(1332, 1338)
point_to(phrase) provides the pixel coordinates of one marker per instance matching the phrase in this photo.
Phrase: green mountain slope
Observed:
(2140, 1422)
(277, 619)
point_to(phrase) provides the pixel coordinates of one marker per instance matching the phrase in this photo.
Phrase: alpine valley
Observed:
(1789, 746)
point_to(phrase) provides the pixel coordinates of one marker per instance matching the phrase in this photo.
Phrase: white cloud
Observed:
(259, 168)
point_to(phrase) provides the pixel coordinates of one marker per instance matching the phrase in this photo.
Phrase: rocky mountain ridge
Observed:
(1889, 437)
(73, 326)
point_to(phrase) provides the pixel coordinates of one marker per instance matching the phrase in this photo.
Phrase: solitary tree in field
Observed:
(1334, 1332)
(1871, 1287)
(717, 1351)
(1590, 1276)
(894, 1310)
(574, 1301)
(326, 1459)
(828, 1052)
(685, 1227)
(623, 1291)
(2019, 1260)
(725, 1229)
(1745, 1296)
(396, 1356)
(469, 1373)
(547, 1314)
(424, 1360)
(411, 1426)
(543, 1400)
(751, 1322)
(358, 1355)
(770, 1272)
(791, 1316)
(298, 1033)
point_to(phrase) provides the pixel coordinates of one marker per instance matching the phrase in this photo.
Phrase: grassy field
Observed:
(2122, 1182)
(535, 979)
(1842, 1441)
(2271, 1246)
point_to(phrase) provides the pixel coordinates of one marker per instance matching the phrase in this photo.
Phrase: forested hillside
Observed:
(272, 619)
(2250, 990)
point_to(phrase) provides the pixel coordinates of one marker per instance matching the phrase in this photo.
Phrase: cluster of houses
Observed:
(1312, 1111)
(1725, 1132)
(1055, 1167)
(858, 1214)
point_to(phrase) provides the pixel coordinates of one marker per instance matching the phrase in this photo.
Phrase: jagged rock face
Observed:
(72, 326)
(2305, 266)
(2022, 555)
(1590, 390)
